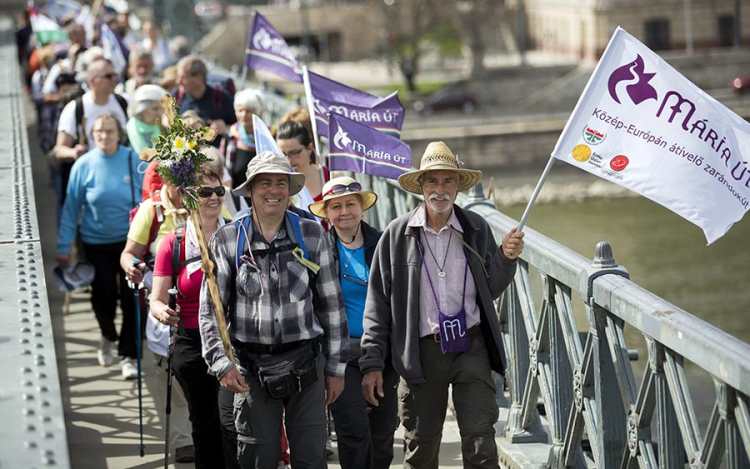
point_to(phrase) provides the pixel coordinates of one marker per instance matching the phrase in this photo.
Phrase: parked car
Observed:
(456, 98)
(740, 84)
(210, 11)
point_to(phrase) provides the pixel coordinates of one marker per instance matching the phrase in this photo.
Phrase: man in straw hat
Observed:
(433, 279)
(278, 282)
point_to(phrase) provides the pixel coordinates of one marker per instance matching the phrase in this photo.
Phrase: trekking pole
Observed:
(170, 352)
(137, 296)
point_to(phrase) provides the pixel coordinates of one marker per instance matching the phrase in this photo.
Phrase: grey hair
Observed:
(140, 53)
(110, 115)
(249, 98)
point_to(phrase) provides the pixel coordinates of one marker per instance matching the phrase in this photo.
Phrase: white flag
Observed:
(112, 50)
(264, 141)
(641, 124)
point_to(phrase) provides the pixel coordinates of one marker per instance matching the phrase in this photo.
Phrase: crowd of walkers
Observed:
(325, 313)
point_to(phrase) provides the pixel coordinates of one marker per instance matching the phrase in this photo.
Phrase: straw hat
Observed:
(368, 198)
(269, 162)
(437, 156)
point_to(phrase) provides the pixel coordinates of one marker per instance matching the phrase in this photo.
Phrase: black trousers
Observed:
(202, 393)
(228, 428)
(109, 285)
(365, 432)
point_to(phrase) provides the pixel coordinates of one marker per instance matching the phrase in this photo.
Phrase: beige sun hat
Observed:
(437, 156)
(269, 162)
(340, 187)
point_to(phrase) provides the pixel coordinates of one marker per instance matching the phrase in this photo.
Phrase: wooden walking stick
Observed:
(177, 150)
(207, 265)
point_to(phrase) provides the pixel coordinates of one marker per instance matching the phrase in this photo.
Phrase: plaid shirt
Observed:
(275, 306)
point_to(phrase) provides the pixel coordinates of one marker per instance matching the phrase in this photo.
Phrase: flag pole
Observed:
(534, 195)
(311, 109)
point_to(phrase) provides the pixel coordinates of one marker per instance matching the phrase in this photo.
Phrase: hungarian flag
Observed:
(359, 148)
(327, 96)
(267, 50)
(45, 29)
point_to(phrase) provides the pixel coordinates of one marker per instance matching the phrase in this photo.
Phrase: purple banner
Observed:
(328, 96)
(362, 149)
(267, 50)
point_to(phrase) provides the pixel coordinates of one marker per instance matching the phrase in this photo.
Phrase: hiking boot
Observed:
(106, 352)
(184, 454)
(129, 370)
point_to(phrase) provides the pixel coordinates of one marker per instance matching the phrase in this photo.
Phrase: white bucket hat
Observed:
(144, 96)
(269, 162)
(73, 277)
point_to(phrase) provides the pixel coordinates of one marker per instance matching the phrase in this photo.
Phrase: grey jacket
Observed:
(391, 319)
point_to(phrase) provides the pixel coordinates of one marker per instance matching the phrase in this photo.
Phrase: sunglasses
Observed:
(205, 191)
(337, 189)
(108, 76)
(357, 280)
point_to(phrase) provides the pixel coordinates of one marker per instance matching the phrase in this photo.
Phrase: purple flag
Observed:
(267, 50)
(383, 114)
(359, 148)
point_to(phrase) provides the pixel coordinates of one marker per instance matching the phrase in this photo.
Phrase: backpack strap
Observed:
(216, 101)
(180, 96)
(158, 218)
(123, 103)
(179, 237)
(79, 117)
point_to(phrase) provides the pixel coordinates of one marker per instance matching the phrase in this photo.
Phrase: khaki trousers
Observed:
(422, 407)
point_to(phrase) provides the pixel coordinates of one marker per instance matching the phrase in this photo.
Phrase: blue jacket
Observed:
(101, 191)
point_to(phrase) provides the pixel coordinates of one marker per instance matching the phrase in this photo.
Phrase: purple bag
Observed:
(454, 336)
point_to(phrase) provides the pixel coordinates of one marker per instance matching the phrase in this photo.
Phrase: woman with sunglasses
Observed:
(201, 389)
(365, 436)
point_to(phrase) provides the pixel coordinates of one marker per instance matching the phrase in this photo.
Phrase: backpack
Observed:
(217, 103)
(156, 222)
(177, 264)
(244, 227)
(79, 117)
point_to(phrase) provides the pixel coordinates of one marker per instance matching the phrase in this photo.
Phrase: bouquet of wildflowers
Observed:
(177, 150)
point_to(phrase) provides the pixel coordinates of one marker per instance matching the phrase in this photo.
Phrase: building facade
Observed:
(582, 28)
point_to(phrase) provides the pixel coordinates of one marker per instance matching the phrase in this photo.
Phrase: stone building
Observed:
(582, 28)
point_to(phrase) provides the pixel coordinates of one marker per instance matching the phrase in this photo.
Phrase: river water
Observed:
(663, 253)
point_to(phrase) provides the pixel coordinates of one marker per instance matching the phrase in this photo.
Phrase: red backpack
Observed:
(155, 225)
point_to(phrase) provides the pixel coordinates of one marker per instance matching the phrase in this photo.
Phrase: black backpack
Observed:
(79, 116)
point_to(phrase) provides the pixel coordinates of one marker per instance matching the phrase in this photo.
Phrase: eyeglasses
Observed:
(206, 192)
(337, 189)
(108, 76)
(357, 280)
(294, 153)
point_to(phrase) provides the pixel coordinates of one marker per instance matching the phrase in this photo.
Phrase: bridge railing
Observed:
(580, 370)
(32, 433)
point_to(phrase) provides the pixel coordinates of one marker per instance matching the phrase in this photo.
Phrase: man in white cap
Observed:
(433, 279)
(277, 278)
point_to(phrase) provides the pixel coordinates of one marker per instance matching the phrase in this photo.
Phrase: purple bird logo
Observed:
(634, 79)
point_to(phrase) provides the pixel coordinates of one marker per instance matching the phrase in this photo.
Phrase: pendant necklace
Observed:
(441, 269)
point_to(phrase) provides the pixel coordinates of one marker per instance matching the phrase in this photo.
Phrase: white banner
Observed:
(641, 124)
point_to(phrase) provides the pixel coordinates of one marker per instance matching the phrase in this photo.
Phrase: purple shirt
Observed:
(449, 288)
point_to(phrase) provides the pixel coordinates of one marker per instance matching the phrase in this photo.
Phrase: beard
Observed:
(440, 198)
